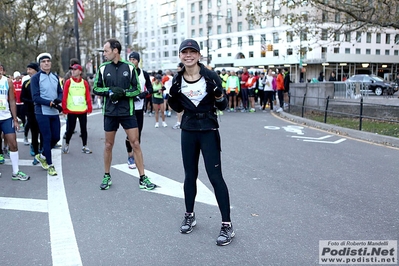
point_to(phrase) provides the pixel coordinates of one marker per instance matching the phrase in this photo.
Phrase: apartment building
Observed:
(227, 39)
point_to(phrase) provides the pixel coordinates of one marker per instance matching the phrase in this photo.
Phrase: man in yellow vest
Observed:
(76, 103)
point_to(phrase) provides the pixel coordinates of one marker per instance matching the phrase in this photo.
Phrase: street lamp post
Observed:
(208, 25)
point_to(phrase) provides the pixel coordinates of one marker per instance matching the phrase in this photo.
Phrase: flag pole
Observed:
(76, 23)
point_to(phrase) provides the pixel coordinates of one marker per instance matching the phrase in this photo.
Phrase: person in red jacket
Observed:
(76, 103)
(280, 89)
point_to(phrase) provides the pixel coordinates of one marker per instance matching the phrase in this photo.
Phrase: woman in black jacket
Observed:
(196, 90)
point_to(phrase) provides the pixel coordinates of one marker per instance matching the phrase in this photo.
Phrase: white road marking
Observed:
(311, 138)
(21, 204)
(170, 187)
(326, 142)
(64, 248)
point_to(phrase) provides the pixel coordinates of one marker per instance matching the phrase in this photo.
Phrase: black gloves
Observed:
(56, 101)
(218, 92)
(116, 94)
(59, 108)
(141, 96)
(174, 90)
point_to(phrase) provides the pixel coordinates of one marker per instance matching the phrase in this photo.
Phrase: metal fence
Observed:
(354, 109)
(351, 90)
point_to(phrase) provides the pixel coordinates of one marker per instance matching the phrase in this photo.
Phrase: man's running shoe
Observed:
(51, 170)
(169, 114)
(164, 124)
(146, 184)
(226, 235)
(188, 223)
(252, 110)
(32, 151)
(131, 163)
(35, 162)
(107, 182)
(26, 141)
(65, 149)
(20, 176)
(42, 161)
(86, 150)
(156, 125)
(2, 159)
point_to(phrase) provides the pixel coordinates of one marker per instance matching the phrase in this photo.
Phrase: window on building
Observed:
(357, 50)
(229, 28)
(290, 36)
(368, 37)
(219, 15)
(337, 18)
(229, 54)
(324, 35)
(219, 55)
(250, 40)
(386, 52)
(368, 51)
(289, 51)
(219, 44)
(304, 36)
(276, 21)
(250, 24)
(239, 42)
(395, 52)
(174, 41)
(166, 54)
(347, 50)
(201, 44)
(239, 12)
(228, 42)
(192, 20)
(192, 7)
(174, 53)
(209, 4)
(397, 39)
(275, 37)
(165, 42)
(347, 37)
(336, 36)
(239, 26)
(174, 29)
(164, 31)
(358, 36)
(229, 15)
(305, 16)
(324, 16)
(275, 53)
(200, 21)
(378, 38)
(219, 2)
(251, 54)
(336, 50)
(201, 32)
(387, 38)
(377, 51)
(192, 33)
(210, 30)
(263, 38)
(219, 29)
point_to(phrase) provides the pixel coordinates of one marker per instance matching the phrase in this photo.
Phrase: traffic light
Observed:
(269, 47)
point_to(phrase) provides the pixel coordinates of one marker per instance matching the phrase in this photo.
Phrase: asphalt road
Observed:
(290, 187)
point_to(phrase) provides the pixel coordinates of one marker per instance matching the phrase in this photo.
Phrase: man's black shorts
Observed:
(111, 123)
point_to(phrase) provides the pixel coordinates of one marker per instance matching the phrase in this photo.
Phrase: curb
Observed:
(366, 136)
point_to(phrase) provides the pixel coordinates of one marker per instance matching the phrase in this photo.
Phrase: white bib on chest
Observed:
(194, 91)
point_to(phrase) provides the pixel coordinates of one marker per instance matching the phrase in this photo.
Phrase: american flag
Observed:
(81, 11)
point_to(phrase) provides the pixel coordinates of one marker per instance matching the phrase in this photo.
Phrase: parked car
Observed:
(374, 83)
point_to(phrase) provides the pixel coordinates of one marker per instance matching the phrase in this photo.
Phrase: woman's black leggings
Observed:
(207, 142)
(71, 122)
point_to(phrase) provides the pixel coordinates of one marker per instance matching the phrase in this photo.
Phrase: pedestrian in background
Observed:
(197, 90)
(76, 104)
(47, 97)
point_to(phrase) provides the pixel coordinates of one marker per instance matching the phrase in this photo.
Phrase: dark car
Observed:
(374, 83)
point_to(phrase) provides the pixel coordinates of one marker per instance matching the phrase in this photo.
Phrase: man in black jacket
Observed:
(196, 90)
(117, 82)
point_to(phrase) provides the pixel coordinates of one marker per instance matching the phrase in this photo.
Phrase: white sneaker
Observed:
(157, 125)
(176, 126)
(279, 110)
(164, 124)
(26, 141)
(169, 114)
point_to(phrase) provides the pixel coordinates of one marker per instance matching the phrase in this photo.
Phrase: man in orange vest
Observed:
(76, 103)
